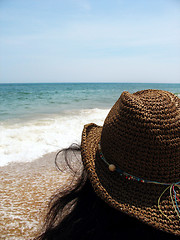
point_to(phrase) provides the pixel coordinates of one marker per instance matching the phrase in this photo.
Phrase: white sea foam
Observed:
(26, 141)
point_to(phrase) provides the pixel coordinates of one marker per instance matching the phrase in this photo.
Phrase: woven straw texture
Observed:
(141, 135)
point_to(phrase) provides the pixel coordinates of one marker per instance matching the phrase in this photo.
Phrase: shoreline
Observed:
(25, 191)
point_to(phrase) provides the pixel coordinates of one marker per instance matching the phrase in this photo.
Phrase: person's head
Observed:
(131, 171)
(133, 160)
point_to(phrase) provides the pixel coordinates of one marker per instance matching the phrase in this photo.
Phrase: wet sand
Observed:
(25, 191)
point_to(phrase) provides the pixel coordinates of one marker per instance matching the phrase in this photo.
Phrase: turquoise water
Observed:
(32, 100)
(36, 119)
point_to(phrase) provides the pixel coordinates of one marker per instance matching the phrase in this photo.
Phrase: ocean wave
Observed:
(29, 140)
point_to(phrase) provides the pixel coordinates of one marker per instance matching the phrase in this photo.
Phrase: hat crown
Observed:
(141, 135)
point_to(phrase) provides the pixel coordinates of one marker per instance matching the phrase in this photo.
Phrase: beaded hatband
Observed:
(170, 186)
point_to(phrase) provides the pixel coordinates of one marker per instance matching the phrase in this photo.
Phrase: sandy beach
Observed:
(25, 190)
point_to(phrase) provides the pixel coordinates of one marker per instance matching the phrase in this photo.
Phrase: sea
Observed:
(36, 119)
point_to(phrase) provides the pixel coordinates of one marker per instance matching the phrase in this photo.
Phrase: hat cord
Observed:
(170, 186)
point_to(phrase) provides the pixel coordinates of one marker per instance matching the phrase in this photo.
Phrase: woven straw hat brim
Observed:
(137, 199)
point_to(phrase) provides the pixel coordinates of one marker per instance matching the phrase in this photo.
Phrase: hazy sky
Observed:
(90, 41)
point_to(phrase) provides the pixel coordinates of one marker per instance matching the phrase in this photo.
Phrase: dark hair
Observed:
(78, 213)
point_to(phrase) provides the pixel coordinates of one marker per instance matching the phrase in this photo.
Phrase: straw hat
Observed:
(133, 161)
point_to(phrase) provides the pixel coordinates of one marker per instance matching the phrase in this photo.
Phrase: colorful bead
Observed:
(112, 167)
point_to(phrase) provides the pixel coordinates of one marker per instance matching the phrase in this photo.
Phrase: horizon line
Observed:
(89, 82)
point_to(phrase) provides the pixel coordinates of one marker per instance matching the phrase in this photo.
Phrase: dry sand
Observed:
(25, 190)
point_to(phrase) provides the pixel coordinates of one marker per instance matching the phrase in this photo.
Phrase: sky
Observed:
(89, 41)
